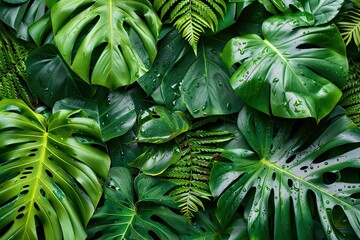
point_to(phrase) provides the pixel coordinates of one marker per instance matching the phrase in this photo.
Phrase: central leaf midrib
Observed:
(36, 188)
(310, 185)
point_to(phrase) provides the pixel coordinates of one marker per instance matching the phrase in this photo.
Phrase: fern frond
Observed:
(192, 172)
(350, 100)
(350, 26)
(191, 17)
(13, 53)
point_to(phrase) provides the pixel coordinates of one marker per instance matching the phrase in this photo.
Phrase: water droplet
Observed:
(275, 80)
(228, 106)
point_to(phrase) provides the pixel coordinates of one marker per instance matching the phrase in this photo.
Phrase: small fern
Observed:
(13, 53)
(350, 26)
(350, 100)
(191, 172)
(191, 17)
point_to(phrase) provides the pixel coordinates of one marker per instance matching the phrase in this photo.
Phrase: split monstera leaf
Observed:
(50, 172)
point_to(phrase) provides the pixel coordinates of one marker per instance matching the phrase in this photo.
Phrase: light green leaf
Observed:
(158, 125)
(121, 34)
(50, 172)
(295, 174)
(156, 159)
(294, 72)
(136, 210)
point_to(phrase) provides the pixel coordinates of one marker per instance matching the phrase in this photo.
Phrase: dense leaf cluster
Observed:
(179, 119)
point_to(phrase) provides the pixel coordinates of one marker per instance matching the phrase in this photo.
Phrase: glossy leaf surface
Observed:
(136, 209)
(293, 173)
(156, 159)
(294, 72)
(50, 79)
(158, 125)
(114, 111)
(119, 37)
(19, 15)
(181, 80)
(50, 172)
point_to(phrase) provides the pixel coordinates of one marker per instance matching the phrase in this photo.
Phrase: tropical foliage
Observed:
(179, 119)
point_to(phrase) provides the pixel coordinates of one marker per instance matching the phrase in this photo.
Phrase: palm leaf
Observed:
(350, 26)
(50, 172)
(191, 17)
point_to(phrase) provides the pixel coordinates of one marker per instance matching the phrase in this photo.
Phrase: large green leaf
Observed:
(181, 80)
(116, 39)
(136, 209)
(294, 72)
(49, 172)
(114, 111)
(157, 125)
(50, 79)
(20, 14)
(295, 173)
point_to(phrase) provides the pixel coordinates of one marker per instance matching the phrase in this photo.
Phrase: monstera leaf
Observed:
(49, 172)
(157, 125)
(294, 72)
(294, 174)
(136, 209)
(109, 43)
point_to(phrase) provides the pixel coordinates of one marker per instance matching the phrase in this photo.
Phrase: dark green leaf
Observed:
(114, 111)
(293, 176)
(135, 212)
(19, 15)
(197, 83)
(50, 79)
(294, 72)
(158, 125)
(123, 150)
(207, 227)
(50, 172)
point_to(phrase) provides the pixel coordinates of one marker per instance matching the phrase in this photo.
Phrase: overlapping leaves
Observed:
(50, 172)
(295, 174)
(136, 209)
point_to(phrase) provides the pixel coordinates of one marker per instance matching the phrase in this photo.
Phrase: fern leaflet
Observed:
(13, 54)
(191, 17)
(350, 26)
(191, 172)
(350, 100)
